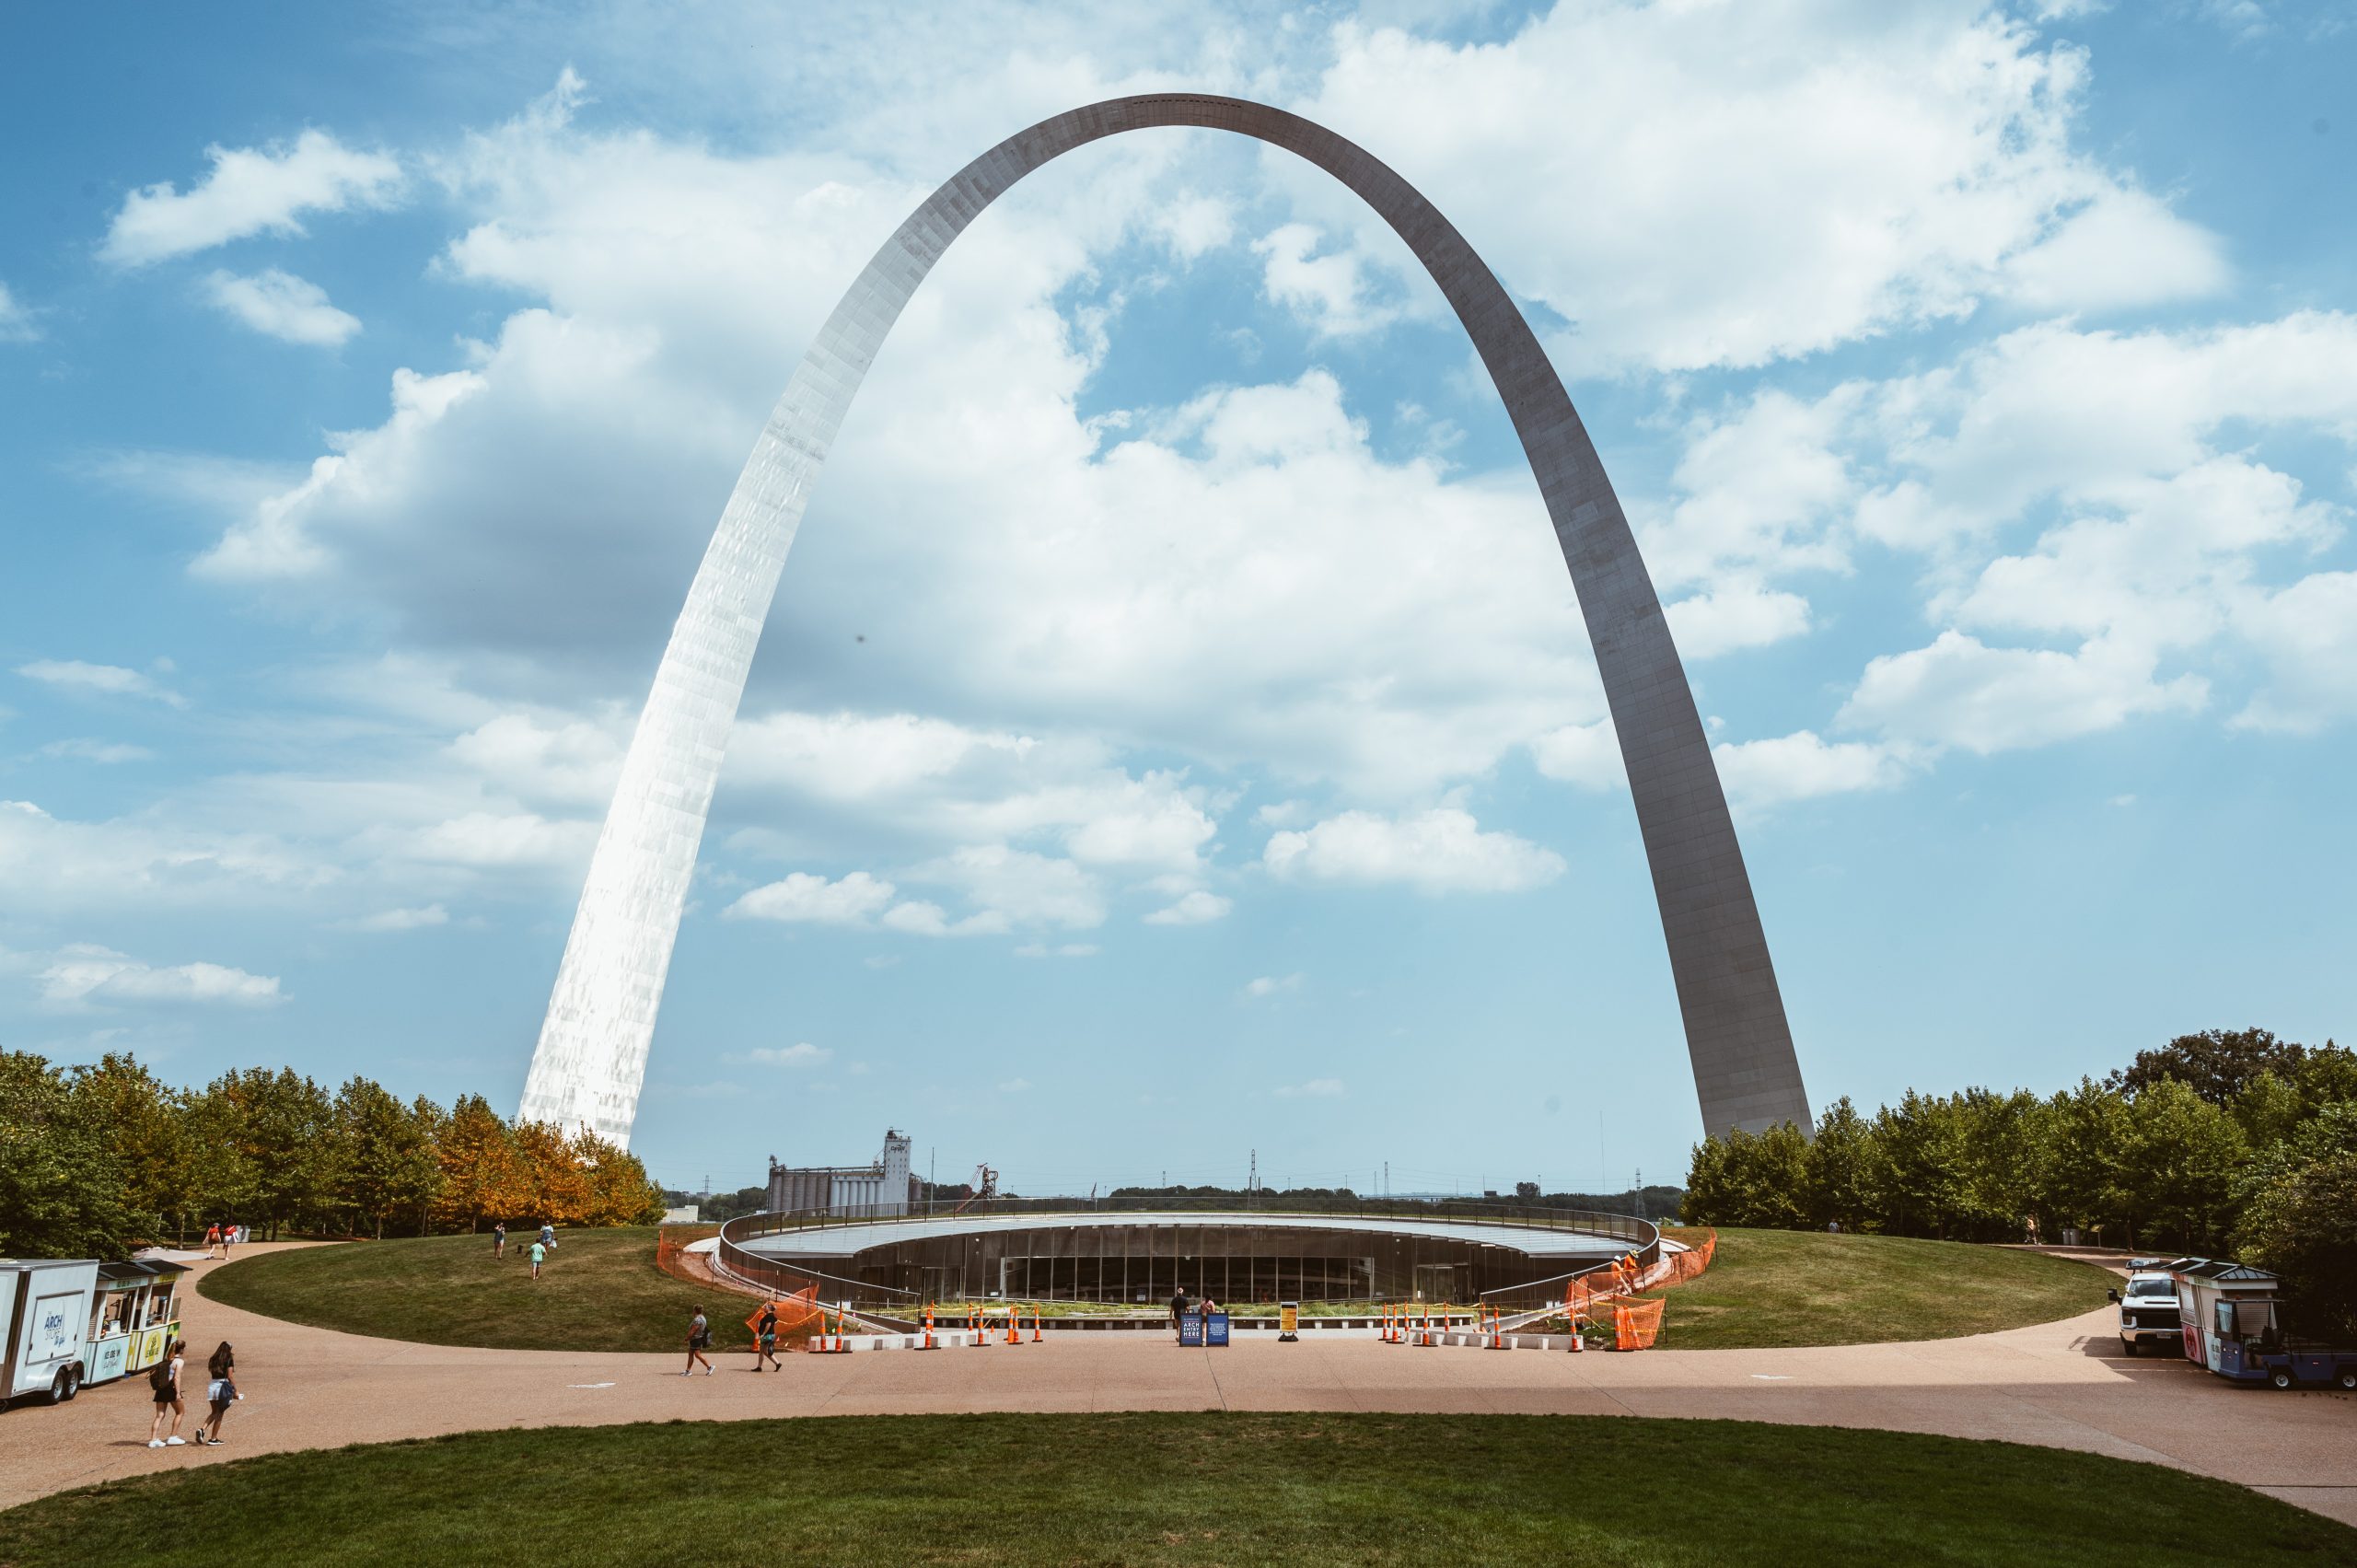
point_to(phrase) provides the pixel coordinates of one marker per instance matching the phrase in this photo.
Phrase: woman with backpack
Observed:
(765, 1337)
(165, 1380)
(698, 1336)
(220, 1390)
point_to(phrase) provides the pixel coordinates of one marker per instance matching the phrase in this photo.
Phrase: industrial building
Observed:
(881, 1189)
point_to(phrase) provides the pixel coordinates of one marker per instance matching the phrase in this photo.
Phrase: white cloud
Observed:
(1872, 166)
(2308, 635)
(1584, 754)
(492, 838)
(1271, 985)
(2124, 249)
(401, 919)
(803, 896)
(1194, 225)
(280, 305)
(105, 752)
(1014, 1085)
(82, 974)
(1019, 887)
(1197, 908)
(800, 1054)
(1316, 1088)
(250, 190)
(1733, 617)
(57, 864)
(111, 679)
(1758, 774)
(16, 324)
(1959, 693)
(920, 917)
(1439, 850)
(1066, 950)
(1327, 291)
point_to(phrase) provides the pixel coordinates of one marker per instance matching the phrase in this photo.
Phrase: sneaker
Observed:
(175, 1443)
(155, 1442)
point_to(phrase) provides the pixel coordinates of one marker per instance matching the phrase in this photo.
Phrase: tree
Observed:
(1833, 1175)
(145, 1125)
(2302, 1224)
(481, 1175)
(286, 1129)
(387, 1164)
(61, 1184)
(618, 1189)
(1527, 1192)
(2216, 1065)
(552, 1185)
(2180, 1156)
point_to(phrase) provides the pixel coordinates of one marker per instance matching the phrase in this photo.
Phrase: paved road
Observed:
(2064, 1384)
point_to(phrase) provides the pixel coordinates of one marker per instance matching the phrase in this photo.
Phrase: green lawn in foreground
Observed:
(599, 1291)
(1192, 1489)
(1793, 1287)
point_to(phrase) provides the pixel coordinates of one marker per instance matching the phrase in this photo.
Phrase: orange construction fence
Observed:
(1636, 1324)
(794, 1312)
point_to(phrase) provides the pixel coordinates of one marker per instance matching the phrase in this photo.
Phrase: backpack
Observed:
(160, 1377)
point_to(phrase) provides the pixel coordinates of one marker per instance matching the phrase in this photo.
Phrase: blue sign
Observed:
(1190, 1329)
(1215, 1329)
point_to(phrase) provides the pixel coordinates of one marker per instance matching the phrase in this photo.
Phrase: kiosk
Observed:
(135, 1317)
(45, 1305)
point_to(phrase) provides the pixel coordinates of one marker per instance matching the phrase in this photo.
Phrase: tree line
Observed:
(2225, 1142)
(98, 1159)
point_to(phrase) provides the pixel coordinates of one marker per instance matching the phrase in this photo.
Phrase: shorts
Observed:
(769, 1341)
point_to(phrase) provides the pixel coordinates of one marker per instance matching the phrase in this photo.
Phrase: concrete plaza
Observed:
(2063, 1385)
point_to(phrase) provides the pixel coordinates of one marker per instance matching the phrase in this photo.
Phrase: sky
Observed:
(1175, 750)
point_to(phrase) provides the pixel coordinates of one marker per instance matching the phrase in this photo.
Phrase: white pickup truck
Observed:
(2148, 1313)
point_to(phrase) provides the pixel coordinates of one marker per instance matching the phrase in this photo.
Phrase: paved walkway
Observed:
(2064, 1384)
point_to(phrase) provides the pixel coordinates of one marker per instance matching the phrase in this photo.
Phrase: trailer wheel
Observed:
(63, 1386)
(2281, 1378)
(2347, 1377)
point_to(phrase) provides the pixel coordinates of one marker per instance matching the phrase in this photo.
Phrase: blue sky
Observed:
(1175, 737)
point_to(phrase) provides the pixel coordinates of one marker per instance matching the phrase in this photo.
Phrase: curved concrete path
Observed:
(2063, 1385)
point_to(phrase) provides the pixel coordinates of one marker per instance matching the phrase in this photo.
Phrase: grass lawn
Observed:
(1210, 1488)
(599, 1291)
(1794, 1287)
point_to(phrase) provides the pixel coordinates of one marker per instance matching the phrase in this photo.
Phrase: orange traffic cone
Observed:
(1037, 1338)
(1014, 1334)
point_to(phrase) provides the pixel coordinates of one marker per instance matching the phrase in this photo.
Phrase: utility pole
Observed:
(1252, 1183)
(932, 1169)
(1387, 1178)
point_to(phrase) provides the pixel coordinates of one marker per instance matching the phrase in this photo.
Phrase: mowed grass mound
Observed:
(600, 1290)
(1790, 1287)
(1192, 1489)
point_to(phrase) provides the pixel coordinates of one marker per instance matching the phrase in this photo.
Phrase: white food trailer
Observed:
(45, 1305)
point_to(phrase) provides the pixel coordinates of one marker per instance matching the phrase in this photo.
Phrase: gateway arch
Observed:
(591, 1058)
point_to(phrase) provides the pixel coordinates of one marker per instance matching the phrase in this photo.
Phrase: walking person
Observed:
(548, 1235)
(499, 1240)
(166, 1381)
(540, 1253)
(229, 1235)
(213, 1238)
(765, 1339)
(220, 1392)
(699, 1337)
(1178, 1315)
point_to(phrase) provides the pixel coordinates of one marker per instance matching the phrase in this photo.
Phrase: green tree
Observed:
(1833, 1174)
(286, 1129)
(388, 1165)
(61, 1184)
(146, 1124)
(2180, 1155)
(2216, 1065)
(2301, 1221)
